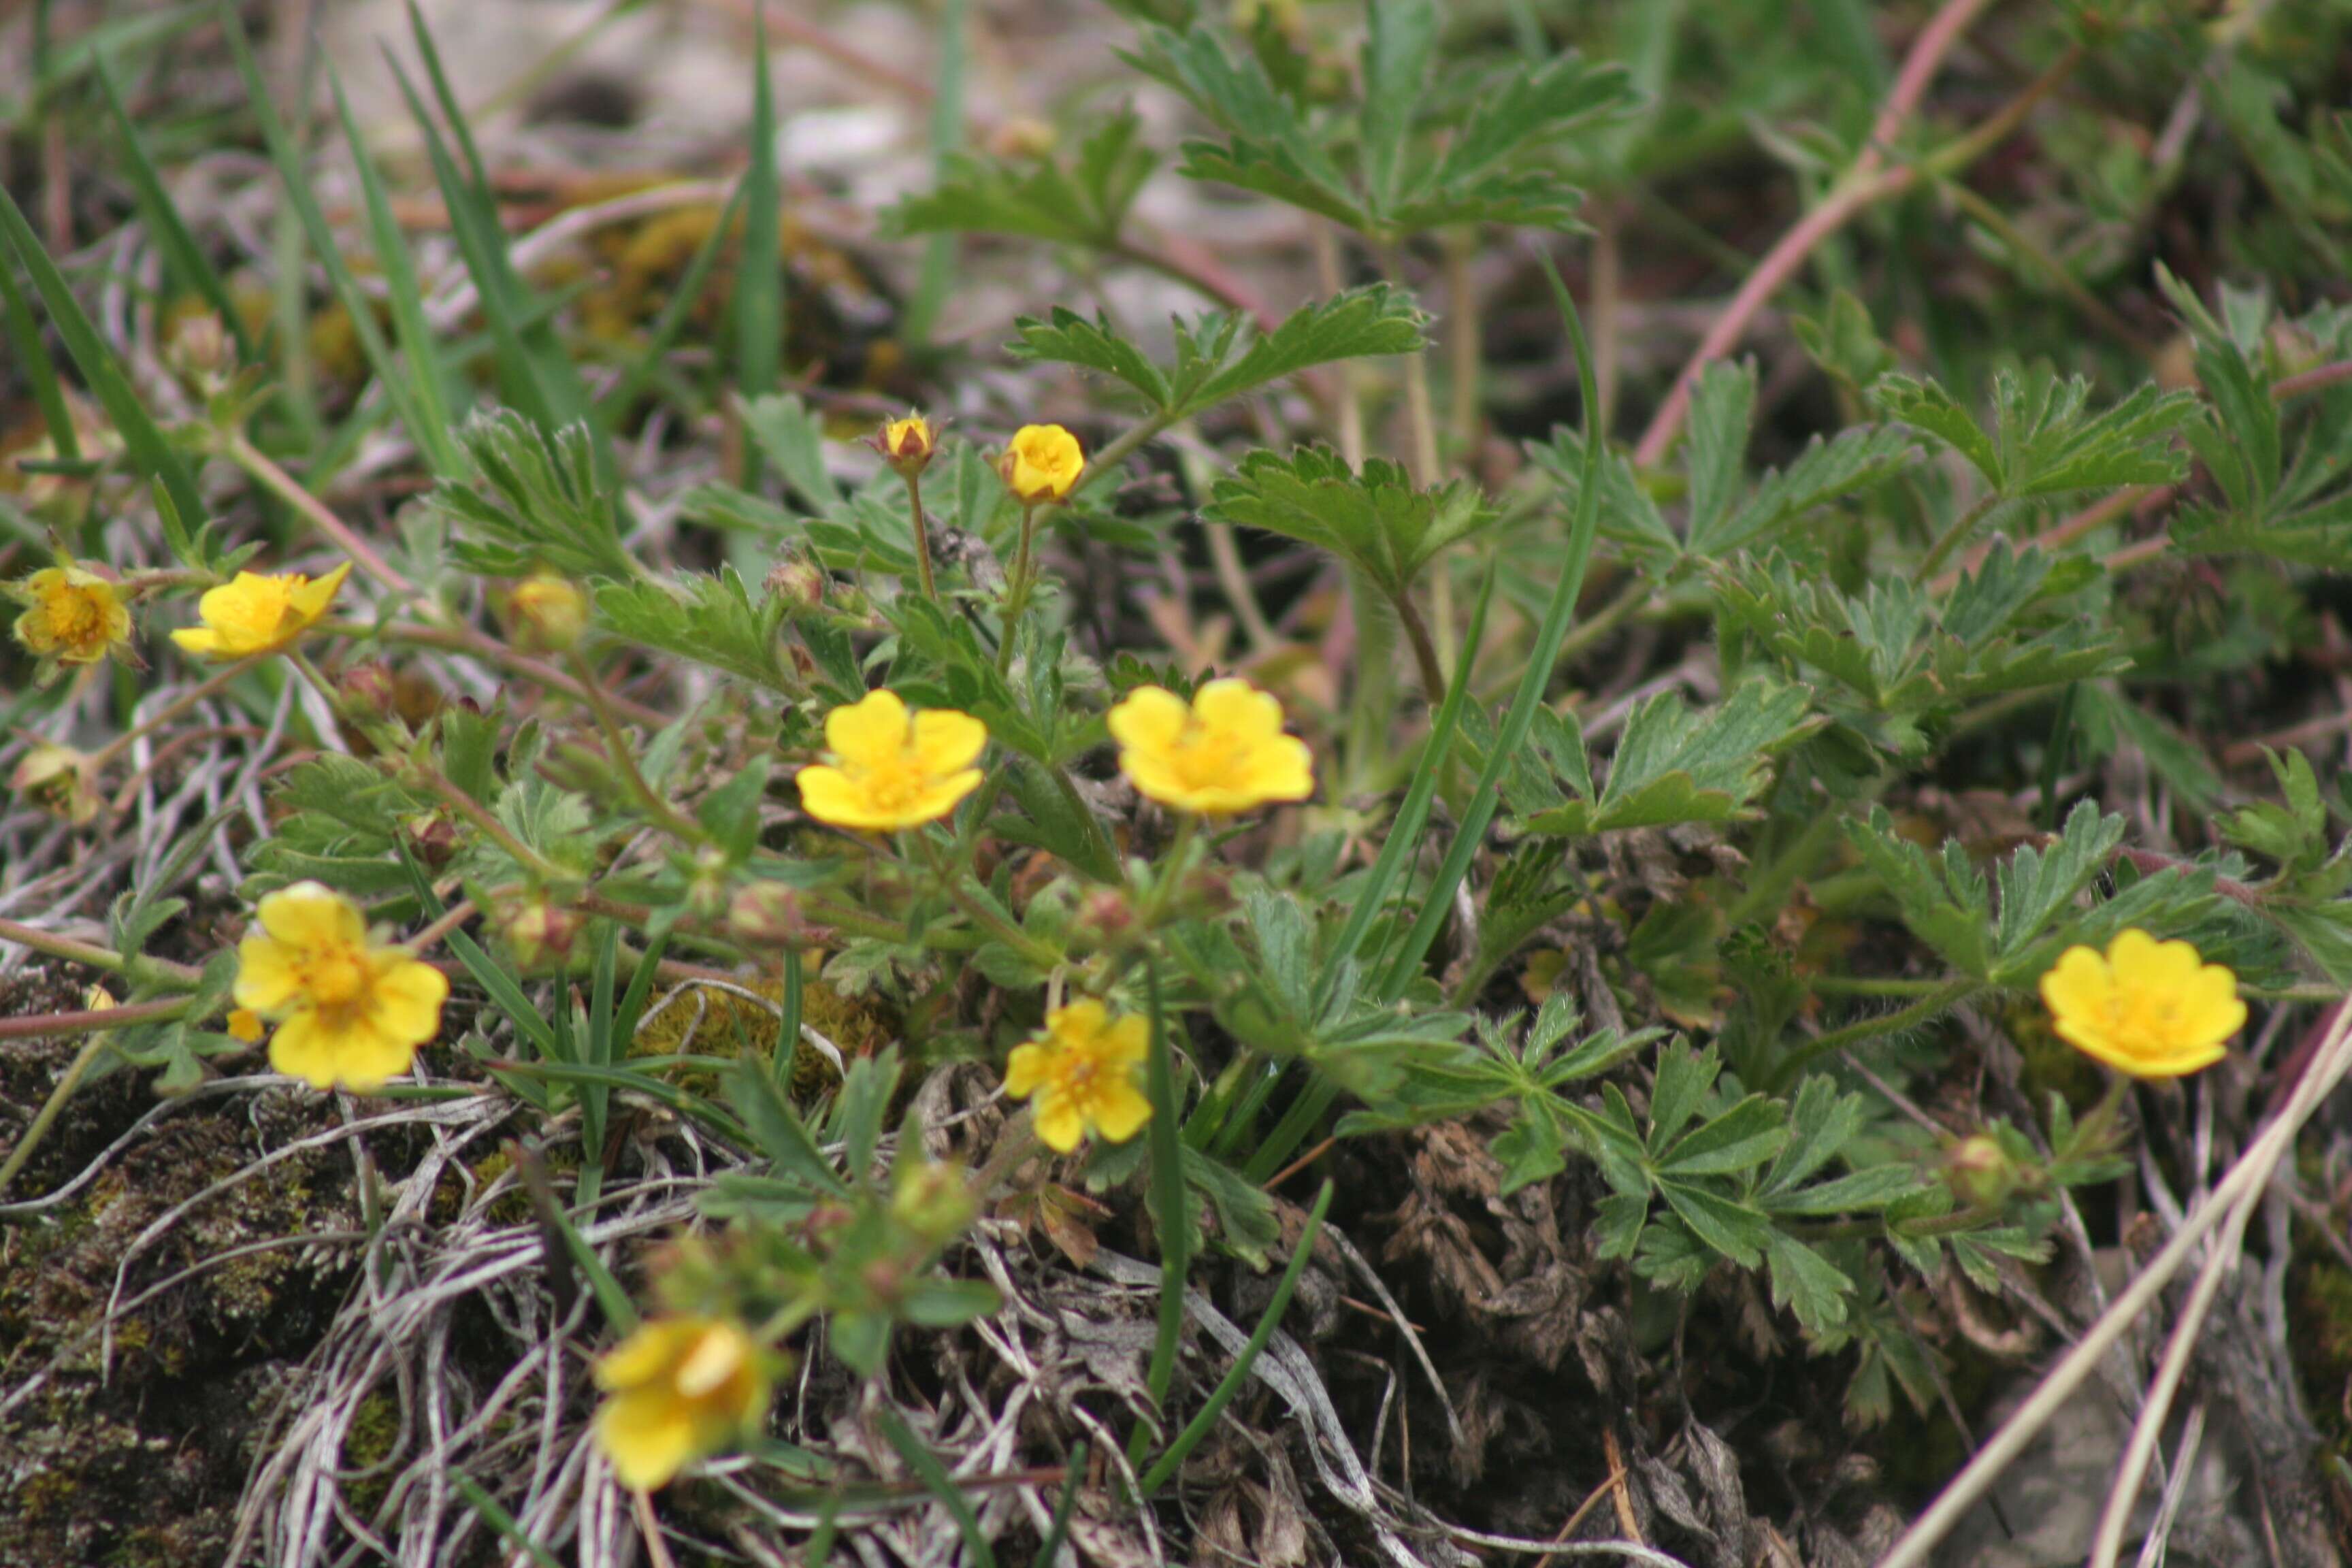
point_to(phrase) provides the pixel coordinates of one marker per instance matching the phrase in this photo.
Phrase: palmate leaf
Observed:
(1270, 148)
(537, 502)
(710, 620)
(1944, 900)
(1681, 764)
(1084, 203)
(1357, 324)
(2044, 441)
(1376, 521)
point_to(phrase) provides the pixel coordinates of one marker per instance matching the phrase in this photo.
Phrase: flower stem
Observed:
(143, 970)
(1171, 872)
(673, 821)
(922, 536)
(1016, 591)
(285, 487)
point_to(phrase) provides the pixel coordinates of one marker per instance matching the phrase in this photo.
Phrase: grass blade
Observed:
(295, 181)
(673, 314)
(1483, 797)
(25, 343)
(153, 456)
(1200, 1425)
(939, 1483)
(1170, 1199)
(947, 136)
(181, 253)
(428, 378)
(1065, 1509)
(759, 280)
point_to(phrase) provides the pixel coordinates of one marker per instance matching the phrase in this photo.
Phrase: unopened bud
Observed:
(932, 1200)
(540, 932)
(799, 582)
(549, 613)
(768, 915)
(368, 688)
(706, 891)
(906, 444)
(1022, 136)
(61, 781)
(432, 838)
(1107, 915)
(201, 354)
(1980, 1171)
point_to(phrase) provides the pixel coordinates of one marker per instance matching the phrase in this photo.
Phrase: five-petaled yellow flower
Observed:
(1224, 753)
(682, 1388)
(255, 613)
(351, 1011)
(1043, 463)
(1081, 1073)
(892, 767)
(73, 614)
(2149, 1008)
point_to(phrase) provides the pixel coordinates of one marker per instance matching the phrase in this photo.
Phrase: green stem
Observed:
(922, 537)
(52, 1107)
(673, 821)
(1949, 540)
(1171, 872)
(283, 485)
(143, 970)
(1016, 591)
(1943, 999)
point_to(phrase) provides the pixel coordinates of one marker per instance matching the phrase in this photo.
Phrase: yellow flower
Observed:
(351, 1011)
(892, 768)
(76, 617)
(1224, 753)
(257, 615)
(682, 1388)
(2149, 1008)
(1042, 464)
(906, 444)
(1081, 1072)
(245, 1025)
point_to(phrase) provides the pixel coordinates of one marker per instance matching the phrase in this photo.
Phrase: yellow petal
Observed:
(939, 798)
(1121, 1110)
(2132, 955)
(1025, 1069)
(833, 796)
(648, 1438)
(368, 1057)
(946, 741)
(202, 641)
(310, 914)
(1128, 1041)
(408, 997)
(1238, 709)
(2078, 985)
(310, 601)
(303, 1049)
(649, 1352)
(722, 1352)
(1060, 1127)
(869, 729)
(1148, 718)
(265, 974)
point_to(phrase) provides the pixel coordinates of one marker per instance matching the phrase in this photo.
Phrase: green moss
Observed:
(369, 1443)
(2319, 1315)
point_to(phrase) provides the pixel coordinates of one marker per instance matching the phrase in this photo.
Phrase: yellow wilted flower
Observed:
(682, 1388)
(892, 767)
(2149, 1008)
(1042, 464)
(1081, 1073)
(351, 1011)
(550, 612)
(1224, 753)
(256, 615)
(72, 615)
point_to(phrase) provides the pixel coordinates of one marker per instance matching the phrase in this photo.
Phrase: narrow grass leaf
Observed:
(759, 279)
(939, 1483)
(181, 254)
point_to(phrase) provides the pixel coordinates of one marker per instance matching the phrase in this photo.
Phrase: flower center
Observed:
(75, 617)
(894, 782)
(260, 613)
(335, 977)
(1205, 758)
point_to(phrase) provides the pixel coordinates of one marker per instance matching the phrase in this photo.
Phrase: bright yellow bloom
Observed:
(1225, 754)
(1081, 1072)
(2149, 1008)
(74, 616)
(1042, 464)
(906, 444)
(351, 1011)
(257, 615)
(892, 768)
(682, 1388)
(245, 1025)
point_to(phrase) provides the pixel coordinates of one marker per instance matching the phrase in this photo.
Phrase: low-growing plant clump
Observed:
(1629, 844)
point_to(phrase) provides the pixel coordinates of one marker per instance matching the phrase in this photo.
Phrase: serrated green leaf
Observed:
(1683, 1077)
(537, 501)
(2044, 441)
(1376, 521)
(1741, 1139)
(1806, 1283)
(1731, 1228)
(1680, 764)
(1085, 202)
(709, 619)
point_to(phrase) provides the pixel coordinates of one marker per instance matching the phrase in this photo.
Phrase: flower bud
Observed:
(540, 931)
(549, 613)
(1042, 463)
(1107, 915)
(61, 781)
(932, 1200)
(201, 354)
(432, 837)
(1980, 1171)
(368, 688)
(706, 891)
(906, 444)
(768, 915)
(800, 582)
